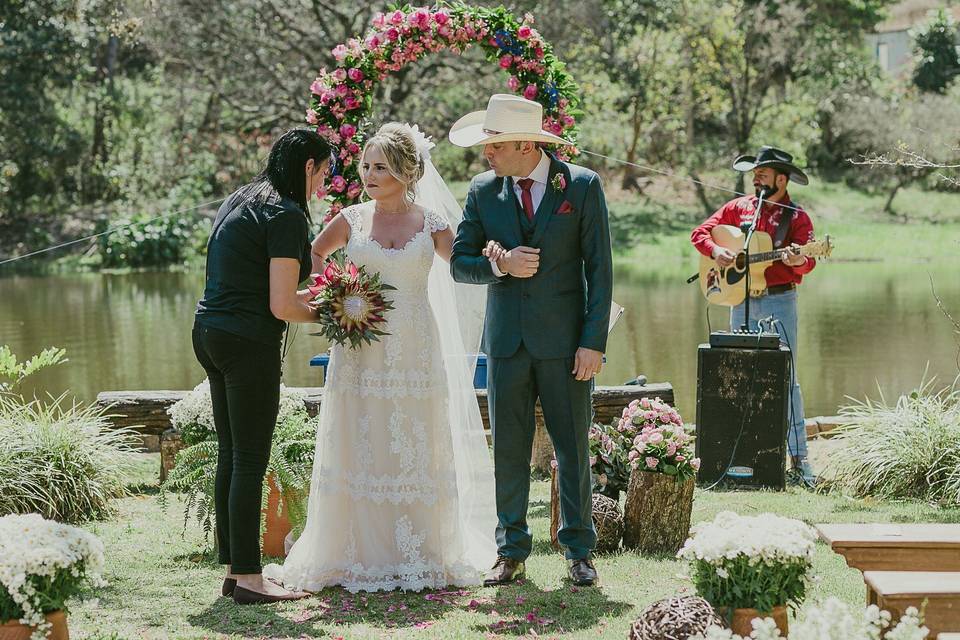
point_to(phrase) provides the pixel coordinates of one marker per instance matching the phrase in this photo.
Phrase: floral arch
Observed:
(342, 99)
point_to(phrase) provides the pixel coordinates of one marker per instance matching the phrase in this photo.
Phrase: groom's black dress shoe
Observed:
(583, 573)
(505, 570)
(229, 584)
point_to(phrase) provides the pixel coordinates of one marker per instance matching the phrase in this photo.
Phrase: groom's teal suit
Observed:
(532, 331)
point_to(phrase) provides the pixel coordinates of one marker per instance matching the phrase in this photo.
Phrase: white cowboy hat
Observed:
(507, 118)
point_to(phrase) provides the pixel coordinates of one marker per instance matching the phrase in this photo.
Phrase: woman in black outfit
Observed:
(258, 252)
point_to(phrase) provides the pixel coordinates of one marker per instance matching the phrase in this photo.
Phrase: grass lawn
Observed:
(164, 585)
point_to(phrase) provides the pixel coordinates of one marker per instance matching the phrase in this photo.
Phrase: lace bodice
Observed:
(405, 268)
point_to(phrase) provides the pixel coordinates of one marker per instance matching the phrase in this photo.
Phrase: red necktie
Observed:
(526, 197)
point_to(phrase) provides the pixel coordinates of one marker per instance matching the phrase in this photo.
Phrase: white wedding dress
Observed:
(402, 489)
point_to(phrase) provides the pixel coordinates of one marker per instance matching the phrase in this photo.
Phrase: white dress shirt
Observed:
(540, 175)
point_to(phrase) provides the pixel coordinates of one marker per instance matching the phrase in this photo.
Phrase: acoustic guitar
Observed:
(724, 285)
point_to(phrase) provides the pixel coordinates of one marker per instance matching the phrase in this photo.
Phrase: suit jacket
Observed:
(566, 304)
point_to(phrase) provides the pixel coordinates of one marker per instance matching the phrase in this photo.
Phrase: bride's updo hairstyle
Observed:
(398, 147)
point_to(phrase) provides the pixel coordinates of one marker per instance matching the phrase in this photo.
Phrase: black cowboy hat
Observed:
(775, 158)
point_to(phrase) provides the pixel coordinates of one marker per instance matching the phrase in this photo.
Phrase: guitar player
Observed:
(789, 226)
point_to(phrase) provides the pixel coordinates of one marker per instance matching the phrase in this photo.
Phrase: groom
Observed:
(548, 306)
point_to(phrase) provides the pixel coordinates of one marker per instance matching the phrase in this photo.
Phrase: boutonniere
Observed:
(559, 182)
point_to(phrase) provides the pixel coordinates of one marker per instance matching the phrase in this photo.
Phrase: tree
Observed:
(935, 50)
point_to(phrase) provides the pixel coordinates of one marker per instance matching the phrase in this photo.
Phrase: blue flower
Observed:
(551, 90)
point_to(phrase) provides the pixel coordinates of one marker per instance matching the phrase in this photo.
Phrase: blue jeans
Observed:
(783, 308)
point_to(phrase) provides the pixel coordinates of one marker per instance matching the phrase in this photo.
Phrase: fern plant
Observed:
(290, 468)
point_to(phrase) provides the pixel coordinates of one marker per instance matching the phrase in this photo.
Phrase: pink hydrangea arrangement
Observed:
(342, 98)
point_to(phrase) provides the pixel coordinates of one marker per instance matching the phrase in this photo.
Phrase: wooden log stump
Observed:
(657, 512)
(170, 444)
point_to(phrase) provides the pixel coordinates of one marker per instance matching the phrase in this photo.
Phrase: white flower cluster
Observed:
(32, 546)
(196, 409)
(763, 538)
(832, 620)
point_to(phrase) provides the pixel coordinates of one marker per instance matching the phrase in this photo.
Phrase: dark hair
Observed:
(284, 175)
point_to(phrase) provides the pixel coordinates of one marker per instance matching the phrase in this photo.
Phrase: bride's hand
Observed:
(494, 251)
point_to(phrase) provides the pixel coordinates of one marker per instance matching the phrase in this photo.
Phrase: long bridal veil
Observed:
(458, 310)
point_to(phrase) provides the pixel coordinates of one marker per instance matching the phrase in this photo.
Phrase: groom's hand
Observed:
(587, 363)
(494, 251)
(520, 262)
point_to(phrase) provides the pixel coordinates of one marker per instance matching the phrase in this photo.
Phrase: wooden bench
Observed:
(896, 547)
(936, 593)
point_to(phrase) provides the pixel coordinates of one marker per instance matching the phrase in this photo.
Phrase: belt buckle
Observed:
(759, 294)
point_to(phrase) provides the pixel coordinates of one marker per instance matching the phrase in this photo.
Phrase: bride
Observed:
(402, 490)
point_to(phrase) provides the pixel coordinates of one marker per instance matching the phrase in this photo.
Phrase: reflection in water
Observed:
(860, 324)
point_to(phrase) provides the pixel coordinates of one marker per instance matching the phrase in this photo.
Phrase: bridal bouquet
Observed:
(351, 303)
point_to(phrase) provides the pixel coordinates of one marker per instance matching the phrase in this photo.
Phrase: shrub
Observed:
(291, 466)
(750, 562)
(908, 450)
(61, 460)
(42, 564)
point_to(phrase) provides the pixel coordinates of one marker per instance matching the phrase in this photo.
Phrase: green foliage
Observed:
(143, 241)
(935, 50)
(14, 372)
(290, 467)
(750, 584)
(63, 461)
(910, 449)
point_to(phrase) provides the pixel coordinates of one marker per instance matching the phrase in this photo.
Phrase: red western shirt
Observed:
(741, 210)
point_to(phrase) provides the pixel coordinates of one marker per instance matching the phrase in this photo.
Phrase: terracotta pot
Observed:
(13, 630)
(277, 523)
(740, 622)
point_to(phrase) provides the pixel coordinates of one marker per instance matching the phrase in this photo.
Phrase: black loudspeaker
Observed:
(743, 396)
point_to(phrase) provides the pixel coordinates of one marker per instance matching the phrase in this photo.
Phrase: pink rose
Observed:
(645, 403)
(351, 103)
(355, 74)
(695, 463)
(373, 42)
(347, 131)
(568, 121)
(392, 34)
(633, 455)
(680, 457)
(353, 148)
(513, 83)
(312, 116)
(339, 52)
(340, 75)
(338, 184)
(506, 61)
(396, 17)
(530, 92)
(420, 19)
(347, 161)
(671, 449)
(441, 17)
(652, 462)
(655, 438)
(317, 86)
(354, 190)
(524, 32)
(342, 90)
(539, 53)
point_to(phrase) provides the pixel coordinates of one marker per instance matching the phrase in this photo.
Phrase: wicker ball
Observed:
(675, 618)
(608, 521)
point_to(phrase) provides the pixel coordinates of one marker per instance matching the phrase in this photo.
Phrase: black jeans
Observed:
(245, 390)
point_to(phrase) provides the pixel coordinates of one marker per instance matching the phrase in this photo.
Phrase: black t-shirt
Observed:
(247, 233)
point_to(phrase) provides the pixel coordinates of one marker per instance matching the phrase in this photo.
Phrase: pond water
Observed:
(861, 324)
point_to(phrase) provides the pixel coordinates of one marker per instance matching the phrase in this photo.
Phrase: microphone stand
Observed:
(748, 228)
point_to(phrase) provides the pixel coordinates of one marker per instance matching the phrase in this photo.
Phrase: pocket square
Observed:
(565, 208)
